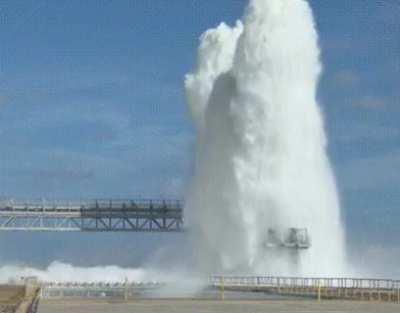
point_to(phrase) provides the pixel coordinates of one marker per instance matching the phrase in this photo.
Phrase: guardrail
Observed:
(270, 281)
(322, 287)
(387, 290)
(52, 204)
(125, 290)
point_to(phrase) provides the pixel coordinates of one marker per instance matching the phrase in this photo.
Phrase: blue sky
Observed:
(92, 105)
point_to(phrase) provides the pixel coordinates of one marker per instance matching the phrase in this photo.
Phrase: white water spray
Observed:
(261, 147)
(61, 272)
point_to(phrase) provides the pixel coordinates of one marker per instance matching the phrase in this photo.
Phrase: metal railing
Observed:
(53, 204)
(303, 282)
(96, 290)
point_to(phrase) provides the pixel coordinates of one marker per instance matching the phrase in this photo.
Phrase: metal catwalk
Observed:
(143, 215)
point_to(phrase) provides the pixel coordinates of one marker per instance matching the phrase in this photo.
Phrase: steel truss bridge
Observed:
(92, 215)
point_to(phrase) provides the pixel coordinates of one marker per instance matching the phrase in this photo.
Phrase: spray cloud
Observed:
(261, 148)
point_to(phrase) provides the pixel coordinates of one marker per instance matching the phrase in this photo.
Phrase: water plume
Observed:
(261, 161)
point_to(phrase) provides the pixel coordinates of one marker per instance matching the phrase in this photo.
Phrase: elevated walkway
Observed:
(142, 215)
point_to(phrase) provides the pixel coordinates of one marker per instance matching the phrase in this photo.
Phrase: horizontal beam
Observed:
(50, 229)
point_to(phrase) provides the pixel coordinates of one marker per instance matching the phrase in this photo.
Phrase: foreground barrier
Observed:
(321, 288)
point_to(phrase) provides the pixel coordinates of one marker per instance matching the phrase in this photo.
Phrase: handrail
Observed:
(43, 204)
(329, 282)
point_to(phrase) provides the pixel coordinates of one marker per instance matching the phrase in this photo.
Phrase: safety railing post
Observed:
(319, 290)
(222, 288)
(126, 294)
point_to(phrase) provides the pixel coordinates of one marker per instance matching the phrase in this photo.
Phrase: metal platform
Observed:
(293, 238)
(141, 215)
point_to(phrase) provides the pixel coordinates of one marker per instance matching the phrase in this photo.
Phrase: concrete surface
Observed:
(10, 297)
(215, 306)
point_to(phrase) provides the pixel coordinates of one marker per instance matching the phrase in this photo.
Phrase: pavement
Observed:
(214, 306)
